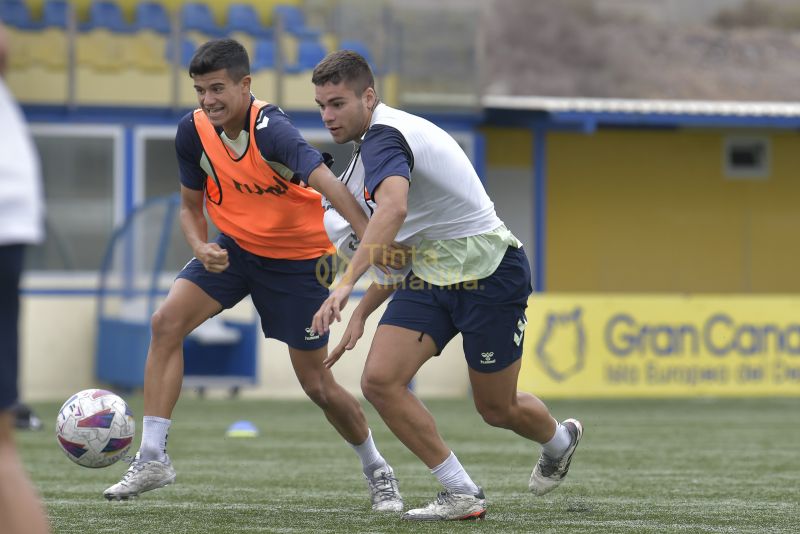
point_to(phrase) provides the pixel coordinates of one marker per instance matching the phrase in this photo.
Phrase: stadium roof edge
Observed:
(620, 105)
(587, 114)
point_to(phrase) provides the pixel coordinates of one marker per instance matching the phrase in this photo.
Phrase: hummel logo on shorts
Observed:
(487, 358)
(311, 336)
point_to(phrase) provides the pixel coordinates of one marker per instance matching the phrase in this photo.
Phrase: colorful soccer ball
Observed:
(95, 428)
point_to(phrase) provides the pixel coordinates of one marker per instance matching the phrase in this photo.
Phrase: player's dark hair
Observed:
(344, 66)
(221, 54)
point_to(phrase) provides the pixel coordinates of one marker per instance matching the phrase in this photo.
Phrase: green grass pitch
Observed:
(644, 466)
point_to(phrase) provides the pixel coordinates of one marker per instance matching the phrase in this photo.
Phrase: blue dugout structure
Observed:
(132, 282)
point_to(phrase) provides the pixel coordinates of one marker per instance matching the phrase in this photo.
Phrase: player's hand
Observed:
(395, 256)
(331, 309)
(213, 257)
(353, 332)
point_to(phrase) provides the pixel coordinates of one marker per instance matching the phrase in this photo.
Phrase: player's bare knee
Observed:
(163, 325)
(315, 390)
(497, 416)
(165, 328)
(369, 390)
(374, 388)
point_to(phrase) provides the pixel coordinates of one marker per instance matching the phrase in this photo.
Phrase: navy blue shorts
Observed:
(11, 257)
(286, 293)
(489, 313)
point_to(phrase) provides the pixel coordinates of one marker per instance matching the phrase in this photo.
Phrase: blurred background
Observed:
(645, 152)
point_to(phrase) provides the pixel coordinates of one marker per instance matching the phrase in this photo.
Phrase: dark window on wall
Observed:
(78, 177)
(160, 168)
(160, 175)
(746, 157)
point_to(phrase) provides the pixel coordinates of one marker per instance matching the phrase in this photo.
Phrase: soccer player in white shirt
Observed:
(469, 275)
(21, 223)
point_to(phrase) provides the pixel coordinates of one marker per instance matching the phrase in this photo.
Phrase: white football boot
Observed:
(384, 491)
(140, 477)
(550, 472)
(450, 506)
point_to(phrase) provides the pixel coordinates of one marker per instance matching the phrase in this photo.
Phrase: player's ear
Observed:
(246, 80)
(370, 98)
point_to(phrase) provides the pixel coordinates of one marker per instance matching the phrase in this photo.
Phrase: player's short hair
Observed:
(344, 66)
(221, 54)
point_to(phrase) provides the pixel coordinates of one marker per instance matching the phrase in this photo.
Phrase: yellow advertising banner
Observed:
(661, 346)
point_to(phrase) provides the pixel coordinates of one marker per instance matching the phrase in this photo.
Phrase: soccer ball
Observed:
(95, 428)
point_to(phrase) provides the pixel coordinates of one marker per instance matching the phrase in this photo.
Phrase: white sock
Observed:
(371, 459)
(559, 443)
(452, 476)
(154, 438)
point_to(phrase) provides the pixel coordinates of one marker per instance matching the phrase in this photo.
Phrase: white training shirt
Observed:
(446, 199)
(21, 202)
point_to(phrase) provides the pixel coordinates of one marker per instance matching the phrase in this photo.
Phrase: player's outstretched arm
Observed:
(323, 180)
(374, 297)
(392, 199)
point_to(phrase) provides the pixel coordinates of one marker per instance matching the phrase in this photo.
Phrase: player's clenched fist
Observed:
(213, 257)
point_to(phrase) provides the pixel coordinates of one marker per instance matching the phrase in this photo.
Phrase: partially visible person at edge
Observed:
(469, 275)
(248, 165)
(21, 224)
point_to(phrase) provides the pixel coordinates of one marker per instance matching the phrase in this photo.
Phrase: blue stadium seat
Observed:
(187, 51)
(361, 47)
(196, 16)
(356, 46)
(152, 16)
(15, 13)
(55, 13)
(263, 55)
(309, 53)
(244, 18)
(108, 15)
(294, 21)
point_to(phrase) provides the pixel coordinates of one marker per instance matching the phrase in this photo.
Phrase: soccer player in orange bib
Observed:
(248, 165)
